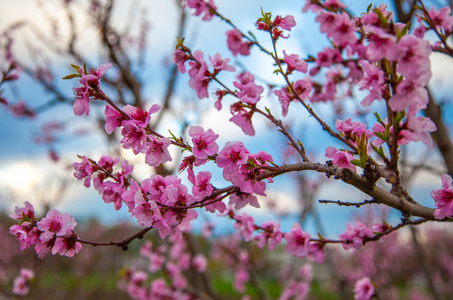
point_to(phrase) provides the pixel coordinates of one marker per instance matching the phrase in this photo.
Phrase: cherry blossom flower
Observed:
(343, 33)
(202, 186)
(84, 170)
(179, 57)
(441, 19)
(242, 118)
(84, 93)
(295, 290)
(56, 223)
(245, 223)
(373, 80)
(363, 289)
(26, 213)
(134, 137)
(113, 119)
(231, 157)
(241, 199)
(316, 252)
(341, 158)
(285, 23)
(409, 95)
(355, 236)
(382, 45)
(414, 59)
(200, 262)
(271, 233)
(235, 43)
(157, 151)
(66, 245)
(21, 284)
(249, 92)
(204, 144)
(297, 241)
(202, 7)
(221, 64)
(241, 277)
(294, 63)
(443, 198)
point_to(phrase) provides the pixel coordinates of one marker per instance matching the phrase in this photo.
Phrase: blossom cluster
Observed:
(173, 262)
(53, 233)
(21, 285)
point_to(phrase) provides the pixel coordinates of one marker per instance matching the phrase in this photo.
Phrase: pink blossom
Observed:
(134, 137)
(235, 43)
(352, 130)
(200, 262)
(145, 211)
(414, 59)
(328, 57)
(363, 289)
(204, 144)
(66, 245)
(285, 97)
(83, 170)
(250, 92)
(157, 151)
(56, 223)
(343, 34)
(409, 95)
(221, 64)
(297, 241)
(113, 119)
(341, 158)
(242, 118)
(443, 198)
(216, 206)
(179, 57)
(294, 63)
(21, 109)
(316, 252)
(202, 7)
(21, 284)
(271, 233)
(112, 192)
(139, 116)
(241, 199)
(231, 157)
(355, 236)
(241, 277)
(26, 213)
(134, 190)
(26, 234)
(245, 223)
(373, 80)
(202, 186)
(420, 126)
(295, 290)
(84, 93)
(285, 23)
(441, 19)
(372, 18)
(199, 75)
(382, 45)
(328, 21)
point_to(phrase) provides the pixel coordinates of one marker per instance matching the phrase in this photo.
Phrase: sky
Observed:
(26, 173)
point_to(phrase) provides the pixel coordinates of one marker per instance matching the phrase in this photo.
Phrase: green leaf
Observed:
(378, 118)
(357, 163)
(85, 68)
(70, 76)
(369, 7)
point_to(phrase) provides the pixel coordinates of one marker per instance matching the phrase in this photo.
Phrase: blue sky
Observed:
(20, 156)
